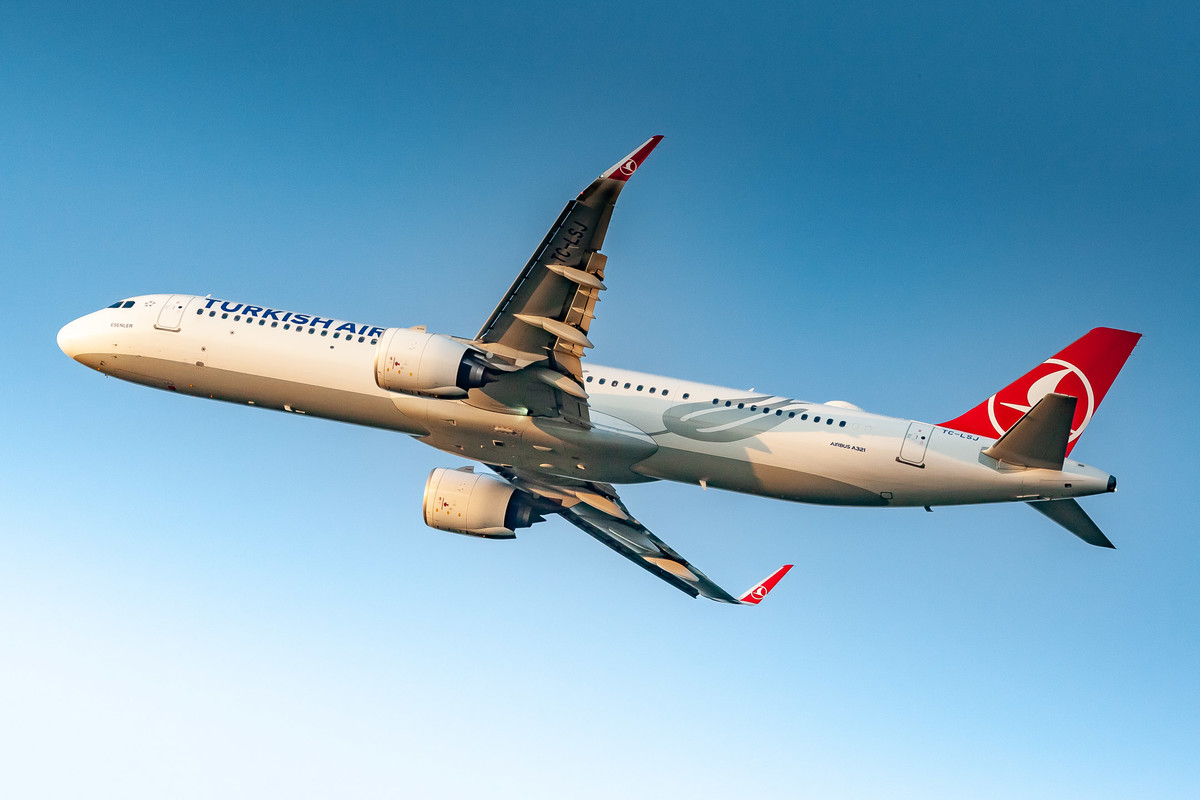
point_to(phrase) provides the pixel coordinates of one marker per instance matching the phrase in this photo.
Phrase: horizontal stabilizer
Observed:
(1071, 516)
(1038, 439)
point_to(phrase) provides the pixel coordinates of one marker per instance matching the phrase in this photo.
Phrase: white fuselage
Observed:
(644, 427)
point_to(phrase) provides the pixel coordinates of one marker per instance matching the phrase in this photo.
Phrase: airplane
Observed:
(557, 432)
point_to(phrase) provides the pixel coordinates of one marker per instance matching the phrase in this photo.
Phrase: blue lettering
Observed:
(270, 313)
(231, 307)
(209, 304)
(252, 311)
(324, 323)
(376, 332)
(300, 319)
(286, 316)
(349, 326)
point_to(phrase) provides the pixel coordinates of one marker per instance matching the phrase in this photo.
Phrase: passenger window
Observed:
(199, 312)
(262, 322)
(816, 419)
(664, 392)
(238, 318)
(274, 324)
(714, 400)
(224, 316)
(741, 405)
(589, 378)
(728, 403)
(804, 416)
(791, 414)
(686, 395)
(212, 313)
(842, 424)
(829, 421)
(639, 387)
(627, 386)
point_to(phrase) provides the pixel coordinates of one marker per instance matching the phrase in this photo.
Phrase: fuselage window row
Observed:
(640, 387)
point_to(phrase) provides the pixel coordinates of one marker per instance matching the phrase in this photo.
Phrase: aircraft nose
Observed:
(73, 337)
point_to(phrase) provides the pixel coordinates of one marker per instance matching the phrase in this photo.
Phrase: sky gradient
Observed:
(902, 207)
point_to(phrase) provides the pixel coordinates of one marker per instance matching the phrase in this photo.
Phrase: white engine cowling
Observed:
(477, 505)
(415, 362)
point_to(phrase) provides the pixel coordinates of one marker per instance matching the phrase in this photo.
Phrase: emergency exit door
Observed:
(172, 312)
(912, 449)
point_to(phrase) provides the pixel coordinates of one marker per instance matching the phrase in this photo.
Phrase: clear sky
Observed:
(903, 206)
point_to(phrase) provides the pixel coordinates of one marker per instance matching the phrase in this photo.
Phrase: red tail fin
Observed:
(1084, 369)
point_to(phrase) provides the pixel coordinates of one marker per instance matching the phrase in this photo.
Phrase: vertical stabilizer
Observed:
(1085, 369)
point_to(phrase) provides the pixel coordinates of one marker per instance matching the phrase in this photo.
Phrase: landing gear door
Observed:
(912, 449)
(172, 312)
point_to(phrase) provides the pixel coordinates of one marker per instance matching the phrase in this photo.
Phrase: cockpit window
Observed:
(116, 304)
(122, 304)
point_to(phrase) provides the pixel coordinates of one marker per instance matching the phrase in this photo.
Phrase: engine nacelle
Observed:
(477, 505)
(415, 362)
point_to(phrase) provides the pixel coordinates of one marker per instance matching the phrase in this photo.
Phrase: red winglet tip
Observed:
(623, 169)
(760, 590)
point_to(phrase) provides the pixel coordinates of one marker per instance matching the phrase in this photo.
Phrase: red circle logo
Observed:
(1052, 376)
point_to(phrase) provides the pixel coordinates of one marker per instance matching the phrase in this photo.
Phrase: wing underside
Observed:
(541, 325)
(596, 509)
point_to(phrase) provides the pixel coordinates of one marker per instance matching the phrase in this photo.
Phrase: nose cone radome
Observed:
(74, 336)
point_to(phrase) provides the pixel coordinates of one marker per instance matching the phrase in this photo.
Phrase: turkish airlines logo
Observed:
(629, 166)
(759, 592)
(1053, 376)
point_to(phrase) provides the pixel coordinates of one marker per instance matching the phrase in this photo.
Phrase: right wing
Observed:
(596, 509)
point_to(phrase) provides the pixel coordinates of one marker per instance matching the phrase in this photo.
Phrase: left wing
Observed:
(596, 509)
(541, 326)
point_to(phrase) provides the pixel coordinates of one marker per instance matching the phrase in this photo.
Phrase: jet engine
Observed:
(460, 501)
(415, 362)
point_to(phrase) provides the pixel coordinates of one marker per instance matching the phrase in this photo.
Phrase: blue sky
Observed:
(903, 207)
